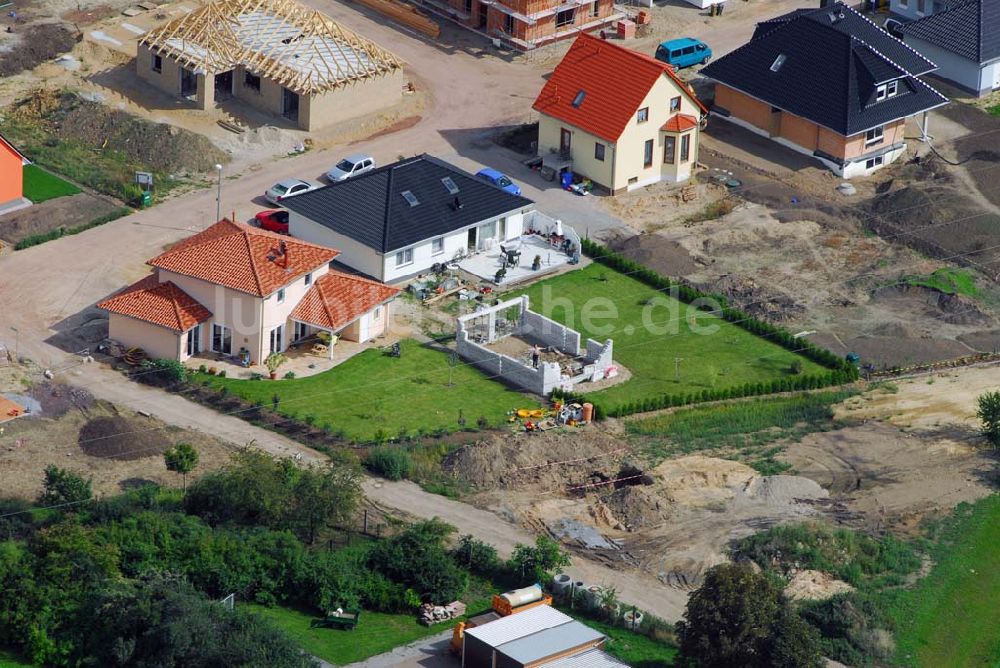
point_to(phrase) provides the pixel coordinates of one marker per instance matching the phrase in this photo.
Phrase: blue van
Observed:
(683, 52)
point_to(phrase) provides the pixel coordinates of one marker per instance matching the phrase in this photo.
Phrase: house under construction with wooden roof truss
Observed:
(276, 56)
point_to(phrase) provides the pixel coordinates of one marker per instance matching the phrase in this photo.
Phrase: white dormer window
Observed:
(886, 91)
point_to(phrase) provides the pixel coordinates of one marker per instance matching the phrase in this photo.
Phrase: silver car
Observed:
(288, 188)
(350, 166)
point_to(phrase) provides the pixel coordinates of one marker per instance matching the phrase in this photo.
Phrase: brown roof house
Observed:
(276, 56)
(826, 82)
(234, 289)
(621, 132)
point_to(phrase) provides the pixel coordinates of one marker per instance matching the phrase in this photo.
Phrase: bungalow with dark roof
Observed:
(618, 117)
(399, 220)
(963, 38)
(238, 290)
(828, 83)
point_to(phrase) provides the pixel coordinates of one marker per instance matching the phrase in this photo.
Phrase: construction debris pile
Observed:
(434, 614)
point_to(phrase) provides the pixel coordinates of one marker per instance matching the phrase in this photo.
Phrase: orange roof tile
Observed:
(680, 123)
(614, 81)
(162, 304)
(337, 299)
(237, 256)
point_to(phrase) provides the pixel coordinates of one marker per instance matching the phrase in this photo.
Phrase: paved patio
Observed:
(485, 264)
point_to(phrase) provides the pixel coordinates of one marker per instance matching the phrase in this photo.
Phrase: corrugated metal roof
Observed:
(549, 642)
(592, 658)
(518, 625)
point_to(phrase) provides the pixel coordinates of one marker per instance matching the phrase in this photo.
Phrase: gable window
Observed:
(886, 90)
(643, 115)
(281, 295)
(599, 151)
(157, 63)
(565, 17)
(437, 246)
(685, 148)
(669, 150)
(309, 279)
(647, 153)
(875, 135)
(251, 81)
(596, 9)
(872, 163)
(675, 103)
(377, 313)
(404, 257)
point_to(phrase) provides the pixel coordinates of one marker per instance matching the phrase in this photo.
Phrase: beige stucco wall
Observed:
(168, 79)
(356, 99)
(275, 313)
(623, 160)
(268, 100)
(158, 342)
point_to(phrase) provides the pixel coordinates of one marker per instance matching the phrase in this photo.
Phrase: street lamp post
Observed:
(218, 195)
(17, 342)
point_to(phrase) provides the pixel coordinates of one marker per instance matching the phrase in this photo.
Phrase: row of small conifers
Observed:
(840, 370)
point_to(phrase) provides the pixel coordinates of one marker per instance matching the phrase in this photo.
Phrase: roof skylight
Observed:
(578, 100)
(778, 62)
(410, 198)
(450, 185)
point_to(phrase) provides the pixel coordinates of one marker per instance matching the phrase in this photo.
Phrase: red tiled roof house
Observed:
(233, 288)
(622, 118)
(11, 177)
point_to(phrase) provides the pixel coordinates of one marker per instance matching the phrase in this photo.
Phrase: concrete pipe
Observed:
(561, 584)
(593, 594)
(632, 619)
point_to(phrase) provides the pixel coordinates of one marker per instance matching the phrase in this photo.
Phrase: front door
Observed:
(472, 240)
(565, 141)
(276, 339)
(222, 339)
(189, 83)
(290, 105)
(224, 85)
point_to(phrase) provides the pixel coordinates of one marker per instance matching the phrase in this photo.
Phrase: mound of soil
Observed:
(38, 44)
(750, 296)
(636, 507)
(660, 254)
(67, 116)
(546, 461)
(121, 438)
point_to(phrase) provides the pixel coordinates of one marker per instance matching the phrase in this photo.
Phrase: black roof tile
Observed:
(830, 70)
(970, 29)
(372, 209)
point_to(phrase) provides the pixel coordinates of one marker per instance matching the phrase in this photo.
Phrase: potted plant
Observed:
(536, 264)
(273, 363)
(501, 272)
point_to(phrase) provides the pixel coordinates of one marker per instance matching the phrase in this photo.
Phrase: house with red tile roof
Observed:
(12, 164)
(618, 117)
(237, 290)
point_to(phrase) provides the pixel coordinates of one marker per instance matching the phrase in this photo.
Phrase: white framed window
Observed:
(309, 278)
(921, 6)
(277, 339)
(872, 163)
(886, 90)
(599, 151)
(675, 104)
(404, 257)
(377, 313)
(643, 115)
(281, 295)
(194, 340)
(437, 246)
(875, 135)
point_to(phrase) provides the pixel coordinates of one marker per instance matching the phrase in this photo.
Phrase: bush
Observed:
(477, 556)
(392, 463)
(62, 487)
(289, 376)
(162, 372)
(417, 559)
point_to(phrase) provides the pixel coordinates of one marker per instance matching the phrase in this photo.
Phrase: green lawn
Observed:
(40, 186)
(376, 633)
(633, 648)
(373, 395)
(10, 659)
(652, 331)
(950, 617)
(994, 110)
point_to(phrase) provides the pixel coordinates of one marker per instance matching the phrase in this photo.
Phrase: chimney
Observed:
(283, 252)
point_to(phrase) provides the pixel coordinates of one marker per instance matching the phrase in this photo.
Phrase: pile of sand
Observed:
(815, 586)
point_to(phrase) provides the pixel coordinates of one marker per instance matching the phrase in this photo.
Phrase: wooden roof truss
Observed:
(295, 46)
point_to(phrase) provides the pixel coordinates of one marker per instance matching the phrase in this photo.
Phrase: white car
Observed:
(350, 166)
(288, 188)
